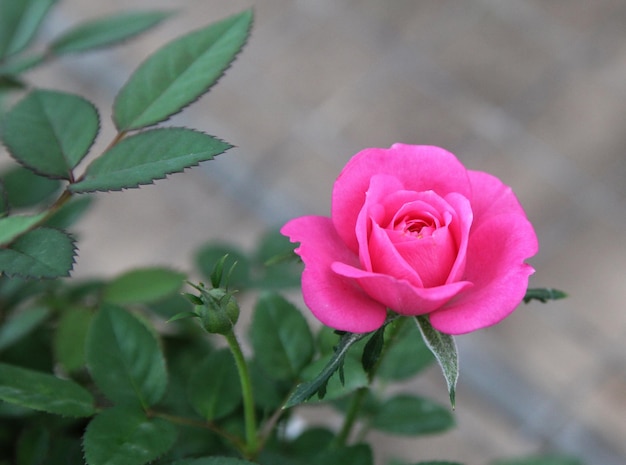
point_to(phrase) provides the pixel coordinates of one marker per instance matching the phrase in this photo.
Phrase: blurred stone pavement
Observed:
(532, 91)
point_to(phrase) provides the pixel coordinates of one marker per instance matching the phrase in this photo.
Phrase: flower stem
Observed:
(359, 396)
(351, 415)
(248, 399)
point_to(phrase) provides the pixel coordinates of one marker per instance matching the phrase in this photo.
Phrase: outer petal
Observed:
(491, 197)
(495, 264)
(418, 167)
(400, 295)
(335, 300)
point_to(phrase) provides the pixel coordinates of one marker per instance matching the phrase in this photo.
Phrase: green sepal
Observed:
(179, 73)
(406, 354)
(445, 351)
(306, 390)
(372, 350)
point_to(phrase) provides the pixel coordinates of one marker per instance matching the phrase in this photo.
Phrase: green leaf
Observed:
(213, 461)
(351, 377)
(214, 388)
(9, 82)
(148, 156)
(269, 394)
(50, 132)
(70, 212)
(124, 358)
(33, 445)
(406, 355)
(19, 21)
(143, 286)
(12, 226)
(372, 350)
(123, 436)
(444, 349)
(540, 460)
(359, 454)
(281, 338)
(411, 415)
(20, 64)
(280, 266)
(40, 253)
(41, 391)
(106, 31)
(543, 294)
(312, 441)
(179, 73)
(430, 462)
(20, 324)
(309, 388)
(25, 189)
(69, 338)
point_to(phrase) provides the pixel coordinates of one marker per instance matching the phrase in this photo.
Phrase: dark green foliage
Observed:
(125, 358)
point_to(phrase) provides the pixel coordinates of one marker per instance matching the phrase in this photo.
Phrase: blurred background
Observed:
(531, 91)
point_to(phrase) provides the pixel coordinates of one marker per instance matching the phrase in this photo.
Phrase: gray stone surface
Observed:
(531, 91)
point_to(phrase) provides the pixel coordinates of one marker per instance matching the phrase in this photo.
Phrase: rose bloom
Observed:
(412, 230)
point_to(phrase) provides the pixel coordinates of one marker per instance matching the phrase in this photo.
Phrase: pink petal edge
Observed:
(335, 300)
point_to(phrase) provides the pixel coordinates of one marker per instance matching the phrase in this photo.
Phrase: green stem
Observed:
(248, 399)
(351, 415)
(357, 400)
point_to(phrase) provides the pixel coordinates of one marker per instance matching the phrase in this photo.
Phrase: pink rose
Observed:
(413, 231)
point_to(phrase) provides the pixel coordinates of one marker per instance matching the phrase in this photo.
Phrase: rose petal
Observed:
(400, 295)
(417, 167)
(460, 228)
(490, 197)
(372, 211)
(495, 264)
(335, 300)
(386, 259)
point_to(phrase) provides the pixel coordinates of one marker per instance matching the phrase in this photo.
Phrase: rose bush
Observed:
(412, 230)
